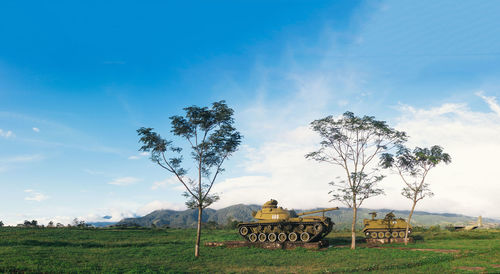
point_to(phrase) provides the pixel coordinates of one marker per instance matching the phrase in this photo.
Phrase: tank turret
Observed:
(389, 227)
(277, 224)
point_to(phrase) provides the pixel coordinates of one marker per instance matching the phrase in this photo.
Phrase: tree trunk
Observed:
(353, 227)
(198, 233)
(409, 220)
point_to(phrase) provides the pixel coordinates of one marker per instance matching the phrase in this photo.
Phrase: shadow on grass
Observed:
(345, 241)
(418, 238)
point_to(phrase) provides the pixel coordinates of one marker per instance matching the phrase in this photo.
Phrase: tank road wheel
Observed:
(243, 231)
(394, 234)
(373, 235)
(292, 237)
(304, 236)
(252, 237)
(282, 237)
(402, 234)
(318, 228)
(387, 234)
(381, 235)
(272, 237)
(262, 237)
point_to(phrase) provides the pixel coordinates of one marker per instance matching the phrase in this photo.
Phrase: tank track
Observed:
(385, 234)
(284, 231)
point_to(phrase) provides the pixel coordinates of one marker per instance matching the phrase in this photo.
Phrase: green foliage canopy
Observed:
(212, 139)
(413, 167)
(352, 142)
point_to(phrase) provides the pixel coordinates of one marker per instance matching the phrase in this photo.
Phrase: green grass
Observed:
(145, 250)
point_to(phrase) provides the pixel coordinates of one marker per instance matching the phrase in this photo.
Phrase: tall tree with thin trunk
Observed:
(413, 167)
(352, 143)
(210, 135)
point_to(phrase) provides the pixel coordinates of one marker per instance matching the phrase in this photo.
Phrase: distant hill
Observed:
(189, 218)
(243, 213)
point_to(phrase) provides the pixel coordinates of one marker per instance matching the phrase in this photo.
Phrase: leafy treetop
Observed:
(212, 138)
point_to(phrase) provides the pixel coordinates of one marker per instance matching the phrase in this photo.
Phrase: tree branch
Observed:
(174, 172)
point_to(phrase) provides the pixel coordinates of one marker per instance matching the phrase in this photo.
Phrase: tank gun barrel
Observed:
(317, 211)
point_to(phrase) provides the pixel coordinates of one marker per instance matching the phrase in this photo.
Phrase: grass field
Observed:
(148, 250)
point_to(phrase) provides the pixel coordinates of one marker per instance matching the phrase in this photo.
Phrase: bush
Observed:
(450, 227)
(231, 224)
(210, 225)
(33, 223)
(435, 228)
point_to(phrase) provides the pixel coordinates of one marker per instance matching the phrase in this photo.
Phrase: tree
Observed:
(352, 143)
(413, 167)
(1, 223)
(212, 139)
(79, 223)
(33, 223)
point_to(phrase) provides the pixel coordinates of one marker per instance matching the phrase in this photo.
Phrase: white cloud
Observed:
(35, 129)
(138, 156)
(124, 181)
(35, 196)
(469, 185)
(6, 134)
(491, 101)
(156, 205)
(114, 213)
(279, 170)
(164, 184)
(120, 210)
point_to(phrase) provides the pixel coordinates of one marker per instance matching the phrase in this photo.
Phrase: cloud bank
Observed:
(469, 185)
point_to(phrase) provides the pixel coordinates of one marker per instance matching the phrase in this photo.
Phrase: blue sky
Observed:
(78, 78)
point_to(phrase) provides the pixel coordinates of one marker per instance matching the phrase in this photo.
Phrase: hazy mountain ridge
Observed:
(243, 213)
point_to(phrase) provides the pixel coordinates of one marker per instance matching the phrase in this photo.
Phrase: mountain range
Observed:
(243, 213)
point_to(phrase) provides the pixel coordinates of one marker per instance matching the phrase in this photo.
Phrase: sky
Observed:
(78, 78)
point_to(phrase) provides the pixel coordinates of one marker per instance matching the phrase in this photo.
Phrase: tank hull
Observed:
(299, 230)
(275, 224)
(387, 228)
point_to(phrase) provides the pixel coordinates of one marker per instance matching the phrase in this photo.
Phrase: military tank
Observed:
(389, 227)
(277, 224)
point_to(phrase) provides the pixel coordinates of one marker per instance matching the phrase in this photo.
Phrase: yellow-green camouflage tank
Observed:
(389, 227)
(277, 224)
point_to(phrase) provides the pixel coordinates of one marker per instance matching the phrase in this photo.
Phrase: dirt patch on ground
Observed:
(480, 268)
(495, 265)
